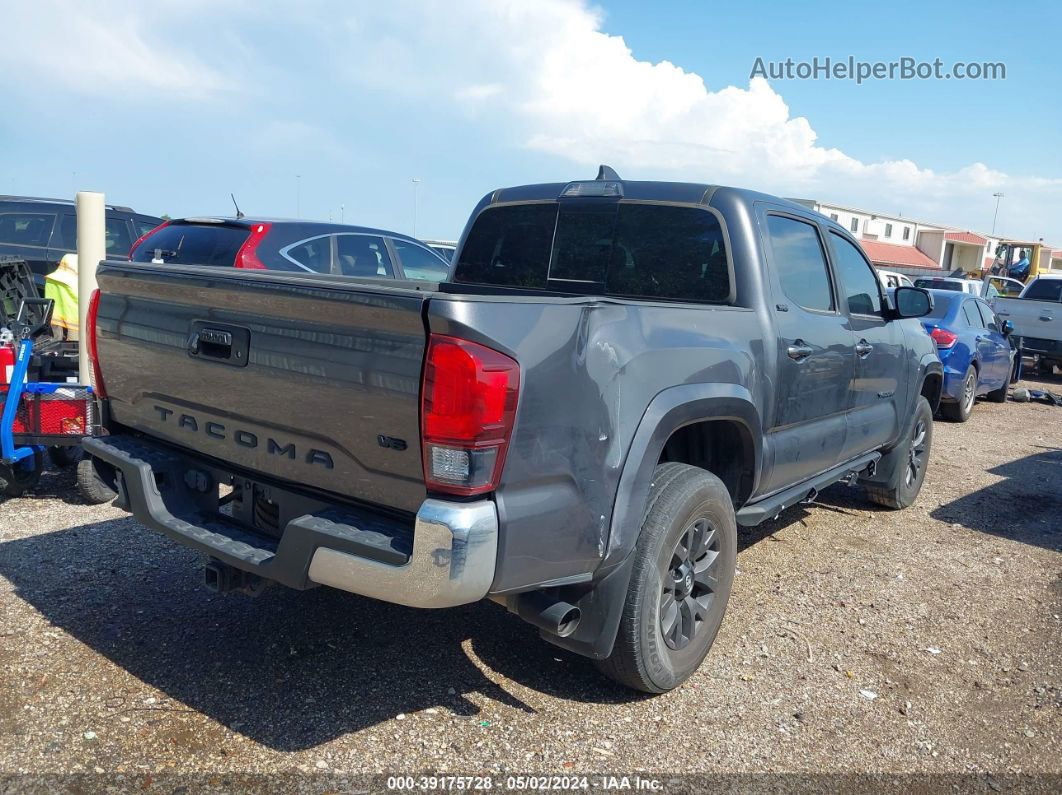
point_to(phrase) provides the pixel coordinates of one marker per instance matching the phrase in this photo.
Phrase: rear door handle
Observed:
(798, 351)
(863, 348)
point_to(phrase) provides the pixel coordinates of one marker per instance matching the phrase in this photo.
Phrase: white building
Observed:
(893, 242)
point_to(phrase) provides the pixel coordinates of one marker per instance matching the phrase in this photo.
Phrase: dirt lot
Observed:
(858, 639)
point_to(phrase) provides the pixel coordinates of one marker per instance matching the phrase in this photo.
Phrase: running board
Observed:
(769, 507)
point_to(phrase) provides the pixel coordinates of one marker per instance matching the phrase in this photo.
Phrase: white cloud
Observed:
(571, 90)
(542, 74)
(102, 47)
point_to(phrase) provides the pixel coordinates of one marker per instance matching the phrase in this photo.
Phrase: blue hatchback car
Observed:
(973, 346)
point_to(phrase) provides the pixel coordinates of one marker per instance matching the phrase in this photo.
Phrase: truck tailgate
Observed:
(315, 382)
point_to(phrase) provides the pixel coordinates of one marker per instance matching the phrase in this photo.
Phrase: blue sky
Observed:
(168, 106)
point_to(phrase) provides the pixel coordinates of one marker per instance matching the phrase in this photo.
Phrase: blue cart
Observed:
(37, 416)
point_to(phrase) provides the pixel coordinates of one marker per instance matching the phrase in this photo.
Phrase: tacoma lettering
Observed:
(247, 439)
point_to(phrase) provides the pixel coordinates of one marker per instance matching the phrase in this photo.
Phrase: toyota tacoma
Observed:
(618, 376)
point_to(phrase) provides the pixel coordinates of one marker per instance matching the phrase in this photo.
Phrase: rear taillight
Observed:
(247, 257)
(144, 237)
(468, 404)
(943, 337)
(90, 337)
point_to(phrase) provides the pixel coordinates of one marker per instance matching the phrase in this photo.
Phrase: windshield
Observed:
(633, 249)
(193, 244)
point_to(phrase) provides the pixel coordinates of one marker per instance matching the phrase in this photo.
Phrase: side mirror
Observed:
(1007, 328)
(913, 302)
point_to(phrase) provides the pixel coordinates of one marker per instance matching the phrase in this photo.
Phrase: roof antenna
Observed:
(607, 172)
(239, 212)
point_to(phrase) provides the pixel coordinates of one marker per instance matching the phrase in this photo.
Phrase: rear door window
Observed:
(193, 244)
(314, 255)
(987, 315)
(26, 229)
(420, 263)
(68, 232)
(800, 261)
(629, 249)
(969, 311)
(363, 255)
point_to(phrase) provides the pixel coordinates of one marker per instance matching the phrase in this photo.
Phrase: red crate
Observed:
(66, 414)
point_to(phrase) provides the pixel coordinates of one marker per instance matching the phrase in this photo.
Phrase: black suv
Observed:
(41, 231)
(286, 245)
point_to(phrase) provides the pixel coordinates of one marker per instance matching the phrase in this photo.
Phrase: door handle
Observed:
(798, 351)
(863, 348)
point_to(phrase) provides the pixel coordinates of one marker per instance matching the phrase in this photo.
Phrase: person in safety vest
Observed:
(61, 286)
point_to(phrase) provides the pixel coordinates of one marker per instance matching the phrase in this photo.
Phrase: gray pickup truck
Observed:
(1037, 317)
(620, 374)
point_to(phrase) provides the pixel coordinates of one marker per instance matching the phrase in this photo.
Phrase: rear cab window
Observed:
(193, 244)
(1044, 290)
(627, 249)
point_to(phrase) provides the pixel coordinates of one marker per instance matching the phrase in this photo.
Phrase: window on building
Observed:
(833, 216)
(800, 262)
(858, 279)
(907, 233)
(888, 230)
(855, 224)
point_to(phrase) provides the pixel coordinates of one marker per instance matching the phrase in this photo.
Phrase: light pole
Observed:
(342, 213)
(996, 213)
(298, 195)
(416, 182)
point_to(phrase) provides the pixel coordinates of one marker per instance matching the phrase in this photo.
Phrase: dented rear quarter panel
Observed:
(589, 368)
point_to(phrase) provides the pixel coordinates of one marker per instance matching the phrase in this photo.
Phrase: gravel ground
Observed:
(857, 640)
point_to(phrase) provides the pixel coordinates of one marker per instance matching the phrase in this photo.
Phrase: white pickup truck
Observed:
(1037, 318)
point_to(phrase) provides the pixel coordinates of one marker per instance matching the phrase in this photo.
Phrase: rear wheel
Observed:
(93, 489)
(1045, 366)
(681, 580)
(904, 467)
(959, 411)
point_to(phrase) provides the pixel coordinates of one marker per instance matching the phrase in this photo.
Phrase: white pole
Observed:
(91, 248)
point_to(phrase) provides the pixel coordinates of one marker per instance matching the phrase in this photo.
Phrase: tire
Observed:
(905, 465)
(90, 485)
(959, 411)
(18, 479)
(62, 457)
(1044, 366)
(682, 573)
